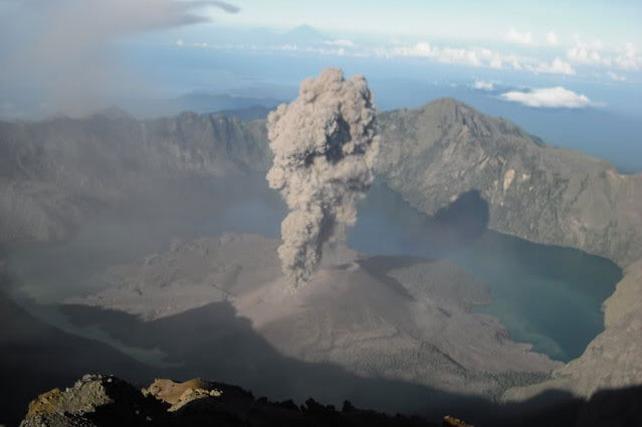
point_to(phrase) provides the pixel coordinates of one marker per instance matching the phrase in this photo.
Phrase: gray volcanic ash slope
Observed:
(188, 275)
(387, 317)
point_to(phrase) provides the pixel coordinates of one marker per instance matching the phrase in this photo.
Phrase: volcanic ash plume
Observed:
(324, 146)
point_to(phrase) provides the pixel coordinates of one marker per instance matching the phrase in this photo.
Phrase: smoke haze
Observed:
(324, 146)
(63, 53)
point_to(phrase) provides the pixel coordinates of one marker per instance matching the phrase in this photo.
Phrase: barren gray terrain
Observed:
(58, 173)
(390, 317)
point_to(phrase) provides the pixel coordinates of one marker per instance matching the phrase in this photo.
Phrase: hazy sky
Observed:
(573, 43)
(76, 55)
(542, 36)
(615, 21)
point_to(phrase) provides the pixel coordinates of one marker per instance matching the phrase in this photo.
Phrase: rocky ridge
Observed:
(434, 154)
(56, 173)
(97, 400)
(52, 173)
(544, 194)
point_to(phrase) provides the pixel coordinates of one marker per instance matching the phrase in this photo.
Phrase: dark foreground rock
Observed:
(97, 400)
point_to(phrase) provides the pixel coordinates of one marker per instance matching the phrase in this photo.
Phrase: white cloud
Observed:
(459, 56)
(494, 59)
(287, 47)
(339, 42)
(327, 51)
(420, 49)
(183, 43)
(470, 56)
(616, 77)
(475, 57)
(553, 97)
(628, 59)
(551, 38)
(481, 85)
(558, 66)
(515, 61)
(585, 53)
(478, 57)
(593, 54)
(515, 36)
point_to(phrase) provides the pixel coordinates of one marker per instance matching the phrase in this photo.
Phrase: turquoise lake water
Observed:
(546, 295)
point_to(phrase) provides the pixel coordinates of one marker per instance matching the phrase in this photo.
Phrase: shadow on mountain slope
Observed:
(456, 225)
(468, 214)
(35, 357)
(212, 342)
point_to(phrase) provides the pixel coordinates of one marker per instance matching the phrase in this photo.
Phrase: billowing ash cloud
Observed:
(324, 146)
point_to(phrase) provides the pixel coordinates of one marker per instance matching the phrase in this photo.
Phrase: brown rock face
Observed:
(44, 404)
(94, 400)
(179, 394)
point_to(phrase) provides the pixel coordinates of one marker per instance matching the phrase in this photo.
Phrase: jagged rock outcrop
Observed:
(97, 400)
(436, 153)
(94, 400)
(180, 394)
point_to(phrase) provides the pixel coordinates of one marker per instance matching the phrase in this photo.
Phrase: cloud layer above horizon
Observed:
(529, 34)
(522, 52)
